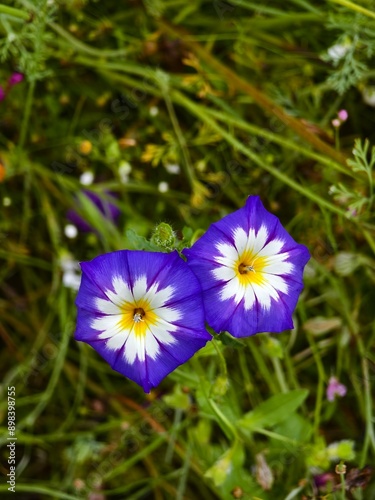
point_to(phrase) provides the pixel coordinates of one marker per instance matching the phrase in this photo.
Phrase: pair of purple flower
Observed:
(145, 312)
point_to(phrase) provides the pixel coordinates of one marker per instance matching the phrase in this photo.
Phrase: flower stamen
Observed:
(138, 315)
(244, 268)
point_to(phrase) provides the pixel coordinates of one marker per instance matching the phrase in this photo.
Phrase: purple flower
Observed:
(15, 78)
(142, 312)
(335, 388)
(2, 93)
(102, 202)
(321, 480)
(250, 270)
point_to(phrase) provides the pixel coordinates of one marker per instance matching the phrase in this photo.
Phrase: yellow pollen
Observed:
(137, 317)
(250, 268)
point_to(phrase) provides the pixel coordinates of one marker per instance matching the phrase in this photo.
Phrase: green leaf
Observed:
(274, 410)
(178, 399)
(232, 459)
(139, 242)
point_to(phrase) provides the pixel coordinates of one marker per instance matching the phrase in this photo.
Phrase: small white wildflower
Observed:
(124, 171)
(71, 272)
(163, 187)
(368, 95)
(7, 201)
(172, 168)
(87, 178)
(70, 231)
(154, 111)
(338, 51)
(71, 280)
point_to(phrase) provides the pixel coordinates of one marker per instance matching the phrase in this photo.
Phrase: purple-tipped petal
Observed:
(250, 270)
(142, 312)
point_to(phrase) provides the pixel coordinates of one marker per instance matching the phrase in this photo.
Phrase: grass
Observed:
(240, 96)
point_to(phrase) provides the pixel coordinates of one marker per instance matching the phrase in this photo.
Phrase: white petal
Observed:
(106, 323)
(240, 292)
(240, 239)
(249, 297)
(260, 239)
(122, 289)
(152, 348)
(279, 268)
(106, 306)
(229, 254)
(131, 348)
(117, 341)
(223, 273)
(140, 287)
(279, 257)
(159, 298)
(277, 282)
(168, 314)
(161, 333)
(272, 248)
(263, 295)
(233, 289)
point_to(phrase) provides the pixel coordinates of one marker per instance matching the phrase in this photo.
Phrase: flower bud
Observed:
(163, 236)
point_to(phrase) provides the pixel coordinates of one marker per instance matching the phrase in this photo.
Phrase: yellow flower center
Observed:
(137, 317)
(249, 268)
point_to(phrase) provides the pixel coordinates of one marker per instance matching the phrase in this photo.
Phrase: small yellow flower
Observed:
(85, 147)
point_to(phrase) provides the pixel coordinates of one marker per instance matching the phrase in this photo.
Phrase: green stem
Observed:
(227, 424)
(370, 435)
(241, 124)
(41, 490)
(143, 453)
(179, 97)
(369, 239)
(27, 113)
(82, 47)
(263, 368)
(227, 427)
(11, 11)
(187, 167)
(342, 482)
(320, 388)
(223, 365)
(355, 7)
(54, 379)
(280, 375)
(238, 83)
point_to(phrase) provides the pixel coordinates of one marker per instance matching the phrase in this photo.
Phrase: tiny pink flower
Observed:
(335, 388)
(343, 115)
(15, 78)
(336, 122)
